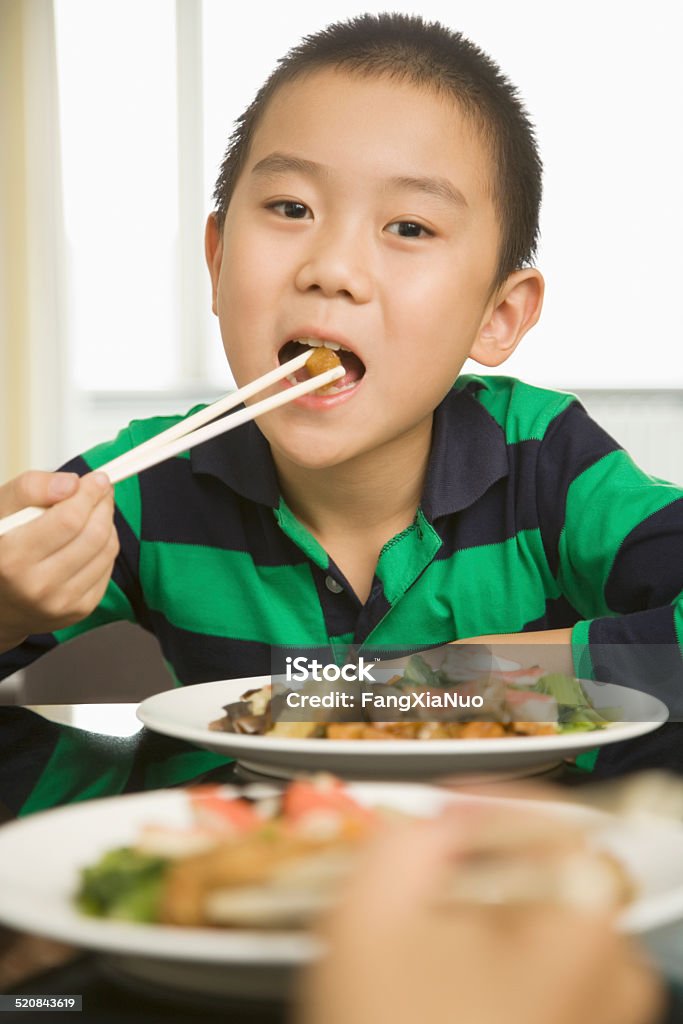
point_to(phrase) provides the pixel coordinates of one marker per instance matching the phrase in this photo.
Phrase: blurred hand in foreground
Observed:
(398, 954)
(54, 570)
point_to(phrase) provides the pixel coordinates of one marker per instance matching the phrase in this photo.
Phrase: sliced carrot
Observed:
(213, 810)
(303, 798)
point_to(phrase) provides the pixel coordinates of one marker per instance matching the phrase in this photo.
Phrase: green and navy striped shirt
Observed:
(532, 518)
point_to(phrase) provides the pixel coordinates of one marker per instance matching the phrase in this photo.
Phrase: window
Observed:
(117, 86)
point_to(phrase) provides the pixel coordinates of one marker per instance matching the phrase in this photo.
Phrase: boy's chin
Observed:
(313, 455)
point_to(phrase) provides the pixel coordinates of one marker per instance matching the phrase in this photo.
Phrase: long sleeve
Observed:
(123, 599)
(44, 764)
(614, 539)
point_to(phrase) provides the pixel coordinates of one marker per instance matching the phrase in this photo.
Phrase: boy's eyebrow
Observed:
(441, 188)
(278, 163)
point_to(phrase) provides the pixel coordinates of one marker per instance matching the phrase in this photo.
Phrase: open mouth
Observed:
(355, 369)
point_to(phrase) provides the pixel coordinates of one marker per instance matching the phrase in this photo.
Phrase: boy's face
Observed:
(363, 215)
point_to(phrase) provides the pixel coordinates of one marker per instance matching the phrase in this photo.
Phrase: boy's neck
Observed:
(378, 491)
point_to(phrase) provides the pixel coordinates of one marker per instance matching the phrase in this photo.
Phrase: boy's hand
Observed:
(397, 955)
(54, 571)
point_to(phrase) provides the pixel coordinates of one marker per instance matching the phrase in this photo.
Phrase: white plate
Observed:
(41, 857)
(186, 712)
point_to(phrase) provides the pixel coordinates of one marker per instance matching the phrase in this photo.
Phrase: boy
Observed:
(381, 194)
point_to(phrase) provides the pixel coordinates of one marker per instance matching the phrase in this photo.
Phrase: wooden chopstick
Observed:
(210, 412)
(153, 456)
(174, 441)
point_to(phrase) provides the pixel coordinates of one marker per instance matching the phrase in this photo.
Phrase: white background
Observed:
(601, 80)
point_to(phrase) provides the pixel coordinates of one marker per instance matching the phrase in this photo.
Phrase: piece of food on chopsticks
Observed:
(278, 861)
(322, 356)
(526, 702)
(321, 360)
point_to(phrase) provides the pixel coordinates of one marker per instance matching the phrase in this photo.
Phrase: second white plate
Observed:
(186, 712)
(37, 890)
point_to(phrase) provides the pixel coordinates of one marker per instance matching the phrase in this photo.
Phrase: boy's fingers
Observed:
(36, 488)
(97, 534)
(95, 486)
(85, 590)
(61, 485)
(63, 522)
(92, 597)
(60, 589)
(64, 588)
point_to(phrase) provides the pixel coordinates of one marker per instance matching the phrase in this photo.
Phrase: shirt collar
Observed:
(467, 456)
(242, 460)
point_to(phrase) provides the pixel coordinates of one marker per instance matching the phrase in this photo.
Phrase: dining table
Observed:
(34, 967)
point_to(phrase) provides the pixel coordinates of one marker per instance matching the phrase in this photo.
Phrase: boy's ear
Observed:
(213, 249)
(513, 310)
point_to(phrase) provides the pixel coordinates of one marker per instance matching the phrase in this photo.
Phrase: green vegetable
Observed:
(124, 884)
(576, 712)
(579, 720)
(565, 690)
(418, 673)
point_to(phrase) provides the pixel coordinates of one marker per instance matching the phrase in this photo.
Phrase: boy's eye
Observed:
(290, 209)
(409, 229)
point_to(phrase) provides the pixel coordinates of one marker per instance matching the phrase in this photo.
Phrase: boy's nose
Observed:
(336, 265)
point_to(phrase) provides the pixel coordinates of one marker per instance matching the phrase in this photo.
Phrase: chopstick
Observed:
(187, 433)
(211, 412)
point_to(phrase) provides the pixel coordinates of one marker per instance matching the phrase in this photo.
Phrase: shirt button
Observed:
(332, 585)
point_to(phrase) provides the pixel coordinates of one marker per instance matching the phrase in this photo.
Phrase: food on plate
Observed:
(455, 700)
(277, 860)
(244, 862)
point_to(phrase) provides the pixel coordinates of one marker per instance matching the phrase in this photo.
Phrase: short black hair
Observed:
(429, 55)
